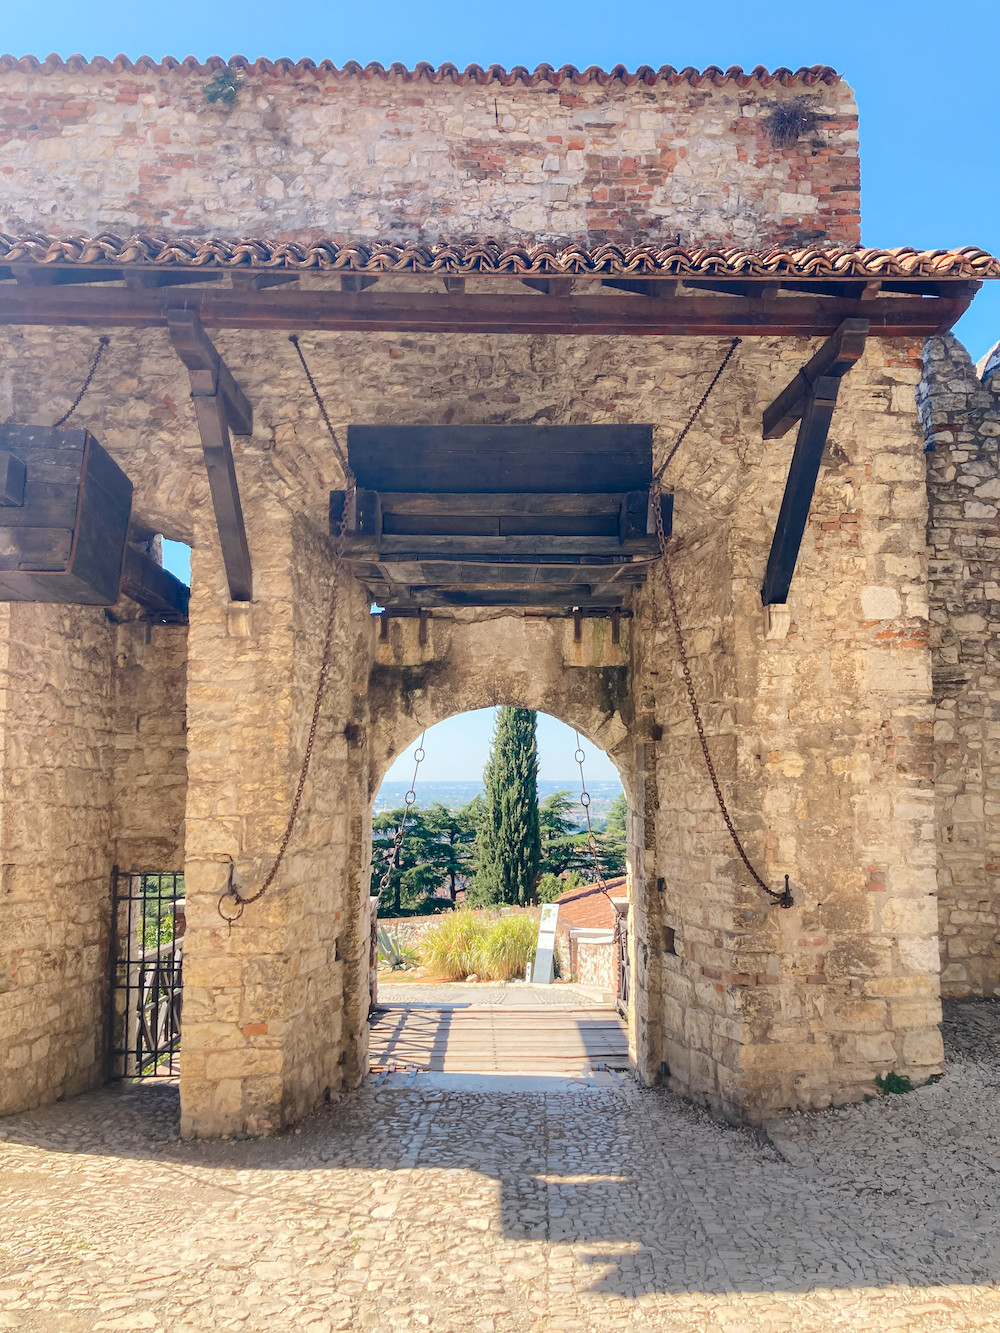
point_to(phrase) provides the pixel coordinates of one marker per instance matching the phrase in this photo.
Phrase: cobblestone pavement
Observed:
(458, 1203)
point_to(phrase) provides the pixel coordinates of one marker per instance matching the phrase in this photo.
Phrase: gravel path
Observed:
(586, 1204)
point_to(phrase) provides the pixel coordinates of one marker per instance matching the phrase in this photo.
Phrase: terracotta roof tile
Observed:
(472, 74)
(492, 257)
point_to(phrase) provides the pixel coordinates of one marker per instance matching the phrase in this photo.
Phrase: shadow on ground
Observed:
(645, 1193)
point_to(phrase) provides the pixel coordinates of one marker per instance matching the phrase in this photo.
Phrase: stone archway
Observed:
(469, 660)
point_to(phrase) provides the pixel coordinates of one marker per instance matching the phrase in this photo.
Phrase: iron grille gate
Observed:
(147, 926)
(623, 997)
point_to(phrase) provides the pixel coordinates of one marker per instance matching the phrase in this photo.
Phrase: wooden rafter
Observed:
(87, 299)
(810, 399)
(220, 406)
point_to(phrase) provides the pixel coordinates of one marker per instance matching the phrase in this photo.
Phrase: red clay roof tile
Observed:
(807, 76)
(492, 257)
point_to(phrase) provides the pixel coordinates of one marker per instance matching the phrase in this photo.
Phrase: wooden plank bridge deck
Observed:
(497, 1039)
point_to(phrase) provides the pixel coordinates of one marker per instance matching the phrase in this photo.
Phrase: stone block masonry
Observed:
(961, 419)
(85, 150)
(820, 724)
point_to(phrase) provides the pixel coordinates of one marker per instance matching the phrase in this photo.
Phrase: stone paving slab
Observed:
(453, 1204)
(519, 995)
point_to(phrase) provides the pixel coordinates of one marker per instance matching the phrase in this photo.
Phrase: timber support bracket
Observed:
(809, 399)
(220, 407)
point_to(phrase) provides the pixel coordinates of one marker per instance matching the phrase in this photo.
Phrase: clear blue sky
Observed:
(457, 750)
(925, 76)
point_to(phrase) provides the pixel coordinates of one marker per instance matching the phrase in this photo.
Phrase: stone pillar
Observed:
(264, 1008)
(819, 720)
(56, 848)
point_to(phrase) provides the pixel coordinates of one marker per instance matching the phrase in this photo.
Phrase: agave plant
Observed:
(393, 951)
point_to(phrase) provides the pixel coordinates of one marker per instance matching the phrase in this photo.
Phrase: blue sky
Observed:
(925, 76)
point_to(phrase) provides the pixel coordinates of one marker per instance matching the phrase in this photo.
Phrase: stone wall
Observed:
(961, 417)
(89, 149)
(56, 849)
(822, 737)
(93, 774)
(149, 685)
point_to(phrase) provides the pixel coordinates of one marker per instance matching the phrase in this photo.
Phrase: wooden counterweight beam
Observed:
(220, 406)
(810, 398)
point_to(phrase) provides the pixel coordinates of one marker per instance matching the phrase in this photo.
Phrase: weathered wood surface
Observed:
(810, 398)
(835, 358)
(506, 459)
(163, 595)
(220, 406)
(486, 1039)
(12, 479)
(93, 302)
(66, 540)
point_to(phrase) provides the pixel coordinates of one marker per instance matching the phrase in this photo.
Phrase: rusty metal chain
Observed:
(102, 343)
(231, 891)
(592, 845)
(784, 897)
(392, 853)
(697, 411)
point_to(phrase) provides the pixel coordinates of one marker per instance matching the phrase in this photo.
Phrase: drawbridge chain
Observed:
(783, 897)
(102, 343)
(392, 854)
(231, 893)
(592, 846)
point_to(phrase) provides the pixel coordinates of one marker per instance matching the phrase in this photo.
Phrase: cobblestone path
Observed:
(452, 1203)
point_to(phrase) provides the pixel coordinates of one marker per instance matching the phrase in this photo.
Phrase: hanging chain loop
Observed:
(392, 853)
(102, 343)
(592, 844)
(783, 898)
(231, 891)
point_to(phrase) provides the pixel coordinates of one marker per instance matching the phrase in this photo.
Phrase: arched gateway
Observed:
(640, 223)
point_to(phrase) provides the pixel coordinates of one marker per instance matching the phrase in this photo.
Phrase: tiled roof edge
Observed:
(490, 256)
(472, 74)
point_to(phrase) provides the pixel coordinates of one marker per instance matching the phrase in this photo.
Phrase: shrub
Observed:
(452, 948)
(507, 948)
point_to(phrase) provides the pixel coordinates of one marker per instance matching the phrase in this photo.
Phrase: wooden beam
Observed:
(219, 404)
(834, 359)
(434, 548)
(794, 513)
(391, 309)
(153, 587)
(13, 473)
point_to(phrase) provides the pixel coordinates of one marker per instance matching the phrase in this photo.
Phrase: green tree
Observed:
(564, 846)
(508, 847)
(436, 852)
(612, 837)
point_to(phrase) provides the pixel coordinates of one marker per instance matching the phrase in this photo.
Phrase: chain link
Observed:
(392, 854)
(102, 343)
(231, 891)
(782, 898)
(593, 846)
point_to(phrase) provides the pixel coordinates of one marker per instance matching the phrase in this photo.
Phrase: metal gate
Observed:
(147, 925)
(624, 966)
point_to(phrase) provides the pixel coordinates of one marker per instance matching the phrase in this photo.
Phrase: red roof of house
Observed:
(588, 906)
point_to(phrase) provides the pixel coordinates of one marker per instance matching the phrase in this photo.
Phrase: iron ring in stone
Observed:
(238, 901)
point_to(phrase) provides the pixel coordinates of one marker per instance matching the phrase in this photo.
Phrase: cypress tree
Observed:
(509, 842)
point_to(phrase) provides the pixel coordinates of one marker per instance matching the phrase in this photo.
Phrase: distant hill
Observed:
(453, 795)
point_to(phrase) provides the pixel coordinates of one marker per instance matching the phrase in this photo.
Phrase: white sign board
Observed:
(543, 973)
